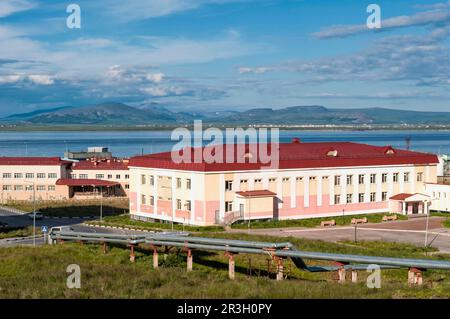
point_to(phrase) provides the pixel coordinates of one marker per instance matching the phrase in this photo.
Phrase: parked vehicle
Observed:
(39, 215)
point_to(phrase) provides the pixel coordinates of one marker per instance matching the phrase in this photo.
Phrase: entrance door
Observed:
(218, 217)
(415, 208)
(241, 209)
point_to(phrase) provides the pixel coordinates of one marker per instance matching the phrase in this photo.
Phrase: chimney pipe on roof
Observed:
(296, 140)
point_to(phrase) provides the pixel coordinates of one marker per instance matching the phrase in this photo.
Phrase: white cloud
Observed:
(41, 79)
(163, 91)
(8, 79)
(257, 70)
(438, 15)
(144, 9)
(8, 7)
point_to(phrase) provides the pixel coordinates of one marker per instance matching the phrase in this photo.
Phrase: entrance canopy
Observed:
(417, 197)
(85, 182)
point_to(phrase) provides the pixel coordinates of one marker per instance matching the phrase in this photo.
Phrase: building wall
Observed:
(301, 193)
(440, 195)
(17, 182)
(119, 176)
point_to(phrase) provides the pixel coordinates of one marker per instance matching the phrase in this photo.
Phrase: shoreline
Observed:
(343, 128)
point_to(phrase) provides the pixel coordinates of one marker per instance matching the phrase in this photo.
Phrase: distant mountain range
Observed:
(122, 114)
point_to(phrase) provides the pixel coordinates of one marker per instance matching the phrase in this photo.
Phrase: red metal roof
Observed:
(257, 193)
(401, 196)
(291, 156)
(85, 182)
(32, 161)
(99, 165)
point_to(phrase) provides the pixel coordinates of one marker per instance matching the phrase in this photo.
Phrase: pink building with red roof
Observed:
(309, 180)
(51, 178)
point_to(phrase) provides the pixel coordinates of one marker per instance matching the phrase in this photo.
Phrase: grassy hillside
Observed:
(41, 273)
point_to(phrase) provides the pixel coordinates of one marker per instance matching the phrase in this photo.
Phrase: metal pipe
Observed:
(230, 242)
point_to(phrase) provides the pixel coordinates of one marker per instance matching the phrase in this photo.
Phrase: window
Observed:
(325, 177)
(143, 199)
(228, 206)
(337, 199)
(40, 175)
(52, 175)
(6, 175)
(29, 175)
(372, 197)
(337, 180)
(7, 187)
(178, 182)
(127, 176)
(152, 180)
(395, 177)
(258, 180)
(373, 178)
(285, 179)
(228, 185)
(40, 188)
(188, 183)
(152, 200)
(127, 186)
(178, 203)
(299, 178)
(18, 175)
(349, 179)
(349, 198)
(83, 176)
(361, 179)
(109, 176)
(384, 196)
(73, 176)
(188, 205)
(99, 176)
(18, 187)
(142, 179)
(272, 180)
(29, 187)
(243, 181)
(51, 187)
(384, 178)
(312, 178)
(406, 177)
(117, 176)
(419, 177)
(361, 197)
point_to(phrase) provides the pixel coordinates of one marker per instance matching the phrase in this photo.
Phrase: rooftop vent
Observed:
(296, 140)
(332, 152)
(388, 150)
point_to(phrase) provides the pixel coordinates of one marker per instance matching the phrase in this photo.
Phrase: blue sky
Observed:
(225, 54)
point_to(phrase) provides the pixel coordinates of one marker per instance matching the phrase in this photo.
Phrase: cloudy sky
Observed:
(225, 54)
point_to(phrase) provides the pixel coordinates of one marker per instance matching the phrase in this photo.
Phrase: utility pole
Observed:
(426, 228)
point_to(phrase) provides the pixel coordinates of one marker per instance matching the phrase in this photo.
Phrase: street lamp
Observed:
(426, 228)
(101, 202)
(34, 211)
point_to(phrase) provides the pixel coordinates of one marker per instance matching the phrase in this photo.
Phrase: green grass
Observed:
(70, 208)
(126, 221)
(446, 221)
(311, 222)
(18, 232)
(41, 273)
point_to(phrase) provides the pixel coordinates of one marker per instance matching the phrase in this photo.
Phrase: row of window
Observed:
(98, 176)
(179, 205)
(179, 181)
(30, 175)
(337, 179)
(373, 178)
(361, 198)
(28, 187)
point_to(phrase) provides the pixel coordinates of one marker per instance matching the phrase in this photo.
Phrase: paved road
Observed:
(410, 232)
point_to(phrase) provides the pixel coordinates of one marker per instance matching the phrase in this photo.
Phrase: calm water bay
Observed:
(129, 143)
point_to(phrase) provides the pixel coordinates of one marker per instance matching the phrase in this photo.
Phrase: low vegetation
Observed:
(41, 273)
(69, 208)
(18, 232)
(312, 222)
(126, 221)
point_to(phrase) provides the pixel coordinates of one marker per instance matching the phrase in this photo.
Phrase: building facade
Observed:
(51, 178)
(311, 180)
